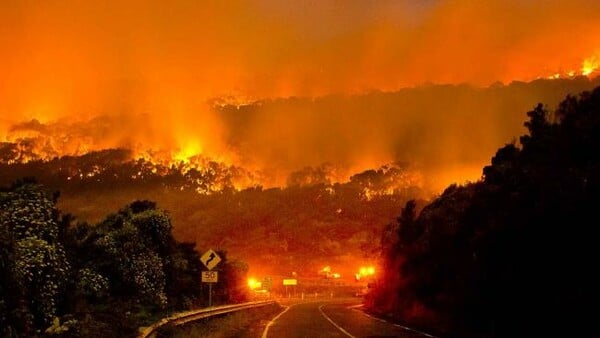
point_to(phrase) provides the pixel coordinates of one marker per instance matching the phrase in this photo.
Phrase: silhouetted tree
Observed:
(505, 256)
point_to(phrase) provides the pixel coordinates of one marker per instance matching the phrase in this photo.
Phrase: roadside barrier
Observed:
(193, 315)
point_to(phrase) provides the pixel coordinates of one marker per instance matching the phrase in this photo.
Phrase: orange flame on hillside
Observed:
(144, 75)
(590, 66)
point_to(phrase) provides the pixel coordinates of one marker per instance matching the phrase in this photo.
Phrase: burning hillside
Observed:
(294, 190)
(285, 134)
(268, 142)
(277, 87)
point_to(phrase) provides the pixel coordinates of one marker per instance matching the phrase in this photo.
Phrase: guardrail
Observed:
(190, 316)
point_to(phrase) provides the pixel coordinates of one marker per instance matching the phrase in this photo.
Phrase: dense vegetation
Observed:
(319, 217)
(514, 254)
(484, 259)
(311, 223)
(60, 278)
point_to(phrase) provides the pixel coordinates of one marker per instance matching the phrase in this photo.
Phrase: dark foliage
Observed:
(72, 280)
(514, 254)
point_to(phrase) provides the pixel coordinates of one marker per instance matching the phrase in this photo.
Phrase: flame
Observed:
(554, 76)
(173, 67)
(186, 153)
(590, 65)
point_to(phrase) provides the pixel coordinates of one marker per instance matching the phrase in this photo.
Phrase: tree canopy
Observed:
(76, 279)
(505, 256)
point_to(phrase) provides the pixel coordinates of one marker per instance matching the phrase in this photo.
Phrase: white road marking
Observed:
(334, 324)
(397, 325)
(354, 308)
(265, 332)
(378, 319)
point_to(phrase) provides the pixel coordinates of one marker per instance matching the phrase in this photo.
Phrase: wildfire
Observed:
(554, 76)
(186, 153)
(590, 65)
(163, 149)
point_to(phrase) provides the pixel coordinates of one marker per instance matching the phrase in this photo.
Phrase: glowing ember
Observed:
(554, 76)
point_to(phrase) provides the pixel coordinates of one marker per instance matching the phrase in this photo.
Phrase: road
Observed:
(334, 318)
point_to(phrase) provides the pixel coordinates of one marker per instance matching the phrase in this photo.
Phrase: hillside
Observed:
(318, 214)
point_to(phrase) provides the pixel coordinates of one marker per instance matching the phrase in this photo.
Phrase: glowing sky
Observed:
(103, 55)
(153, 64)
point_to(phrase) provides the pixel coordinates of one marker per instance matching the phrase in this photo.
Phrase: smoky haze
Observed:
(446, 132)
(93, 75)
(88, 57)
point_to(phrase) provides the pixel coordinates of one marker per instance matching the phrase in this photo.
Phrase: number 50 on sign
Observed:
(210, 276)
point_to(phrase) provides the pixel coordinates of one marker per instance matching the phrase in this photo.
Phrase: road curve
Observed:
(334, 318)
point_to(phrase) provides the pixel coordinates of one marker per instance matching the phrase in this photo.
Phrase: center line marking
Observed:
(396, 325)
(264, 335)
(334, 324)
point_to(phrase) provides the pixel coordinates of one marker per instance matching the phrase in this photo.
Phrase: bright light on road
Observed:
(365, 271)
(254, 284)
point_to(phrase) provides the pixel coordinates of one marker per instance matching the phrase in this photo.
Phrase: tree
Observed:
(504, 256)
(33, 261)
(232, 286)
(408, 230)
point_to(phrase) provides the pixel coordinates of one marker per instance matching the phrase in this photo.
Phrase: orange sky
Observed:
(97, 56)
(152, 65)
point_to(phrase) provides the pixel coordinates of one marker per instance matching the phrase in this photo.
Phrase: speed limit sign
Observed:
(210, 276)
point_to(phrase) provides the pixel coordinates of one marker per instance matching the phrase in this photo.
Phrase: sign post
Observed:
(290, 281)
(210, 276)
(210, 259)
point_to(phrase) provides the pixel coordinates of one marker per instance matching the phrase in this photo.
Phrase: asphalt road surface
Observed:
(335, 318)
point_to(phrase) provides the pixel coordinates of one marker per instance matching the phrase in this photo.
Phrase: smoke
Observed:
(446, 132)
(142, 74)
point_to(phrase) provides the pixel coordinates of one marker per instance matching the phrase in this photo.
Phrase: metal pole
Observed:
(209, 294)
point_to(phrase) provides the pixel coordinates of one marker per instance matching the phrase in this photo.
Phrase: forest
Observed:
(84, 244)
(311, 223)
(514, 254)
(322, 210)
(68, 279)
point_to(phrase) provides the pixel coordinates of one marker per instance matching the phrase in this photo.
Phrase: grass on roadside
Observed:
(245, 324)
